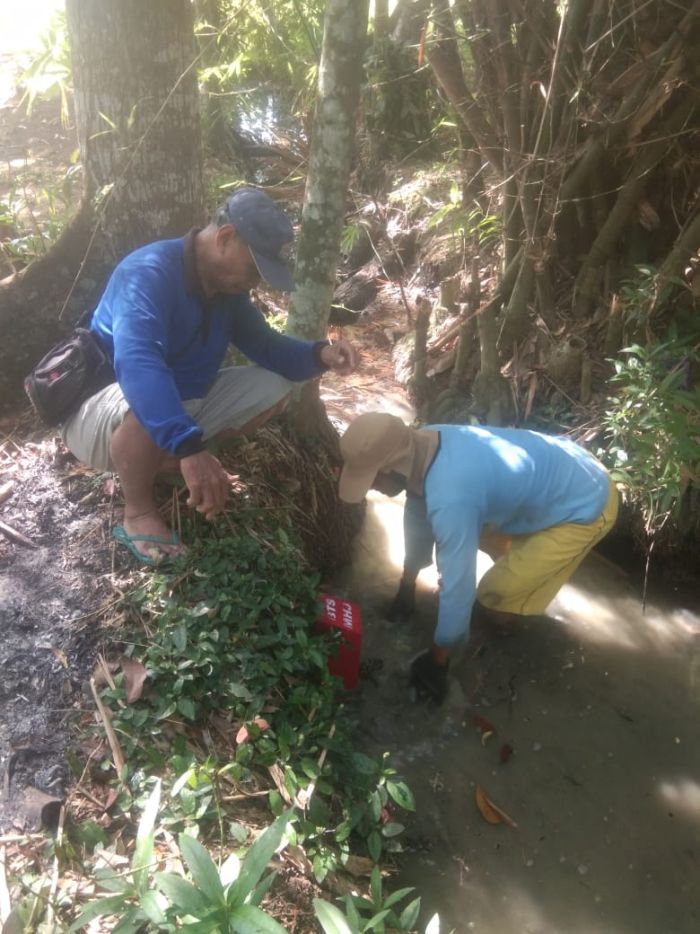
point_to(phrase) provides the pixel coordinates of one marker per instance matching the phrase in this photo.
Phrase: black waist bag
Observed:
(70, 373)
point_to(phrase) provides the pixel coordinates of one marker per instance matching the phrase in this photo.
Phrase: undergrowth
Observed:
(222, 708)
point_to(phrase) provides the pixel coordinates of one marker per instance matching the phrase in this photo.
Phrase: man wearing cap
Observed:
(545, 499)
(166, 319)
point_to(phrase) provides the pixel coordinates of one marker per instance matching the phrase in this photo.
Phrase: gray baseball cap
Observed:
(266, 230)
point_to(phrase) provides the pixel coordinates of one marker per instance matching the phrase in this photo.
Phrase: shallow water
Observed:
(600, 704)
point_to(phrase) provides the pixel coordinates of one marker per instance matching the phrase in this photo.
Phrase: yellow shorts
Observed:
(529, 573)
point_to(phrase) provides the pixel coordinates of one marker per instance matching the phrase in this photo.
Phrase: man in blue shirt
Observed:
(547, 498)
(166, 319)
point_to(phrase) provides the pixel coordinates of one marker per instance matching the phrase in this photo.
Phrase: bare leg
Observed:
(137, 460)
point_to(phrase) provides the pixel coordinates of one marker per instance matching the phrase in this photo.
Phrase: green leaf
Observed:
(396, 896)
(247, 919)
(256, 860)
(263, 888)
(186, 708)
(351, 913)
(113, 905)
(363, 763)
(230, 870)
(377, 919)
(183, 896)
(110, 881)
(402, 795)
(130, 923)
(374, 845)
(203, 869)
(392, 829)
(152, 906)
(331, 918)
(375, 884)
(409, 915)
(143, 851)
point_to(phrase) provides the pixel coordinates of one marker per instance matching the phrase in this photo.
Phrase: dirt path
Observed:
(600, 704)
(51, 584)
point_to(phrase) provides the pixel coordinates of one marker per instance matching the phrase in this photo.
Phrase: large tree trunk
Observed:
(137, 115)
(137, 110)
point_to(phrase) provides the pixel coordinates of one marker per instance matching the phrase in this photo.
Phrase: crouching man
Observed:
(539, 504)
(166, 319)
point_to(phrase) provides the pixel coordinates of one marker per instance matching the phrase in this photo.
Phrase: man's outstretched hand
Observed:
(340, 357)
(207, 482)
(429, 678)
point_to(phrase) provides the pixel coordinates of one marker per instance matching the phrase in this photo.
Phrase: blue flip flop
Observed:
(123, 537)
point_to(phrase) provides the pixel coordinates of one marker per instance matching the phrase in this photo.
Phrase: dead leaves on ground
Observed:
(490, 811)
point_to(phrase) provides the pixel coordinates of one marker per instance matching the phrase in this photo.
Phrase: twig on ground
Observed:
(117, 754)
(16, 536)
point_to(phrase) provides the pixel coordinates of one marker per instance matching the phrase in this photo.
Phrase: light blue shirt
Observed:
(516, 481)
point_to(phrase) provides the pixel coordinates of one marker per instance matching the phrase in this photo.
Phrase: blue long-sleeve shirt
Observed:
(516, 481)
(167, 341)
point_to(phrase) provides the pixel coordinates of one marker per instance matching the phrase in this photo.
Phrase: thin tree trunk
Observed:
(330, 158)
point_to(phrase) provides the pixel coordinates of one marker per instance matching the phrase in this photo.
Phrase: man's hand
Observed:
(207, 482)
(429, 677)
(340, 357)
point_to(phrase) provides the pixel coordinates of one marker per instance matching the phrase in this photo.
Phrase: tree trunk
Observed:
(137, 116)
(323, 212)
(137, 111)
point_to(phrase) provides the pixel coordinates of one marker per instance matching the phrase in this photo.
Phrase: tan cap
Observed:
(372, 443)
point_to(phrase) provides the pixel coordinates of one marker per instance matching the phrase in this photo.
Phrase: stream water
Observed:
(599, 702)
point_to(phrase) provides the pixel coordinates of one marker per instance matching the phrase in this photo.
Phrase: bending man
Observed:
(545, 498)
(166, 319)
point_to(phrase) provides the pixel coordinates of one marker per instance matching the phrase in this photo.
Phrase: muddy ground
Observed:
(598, 702)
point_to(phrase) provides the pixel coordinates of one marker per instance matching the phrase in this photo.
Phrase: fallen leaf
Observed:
(485, 737)
(358, 866)
(506, 752)
(109, 487)
(277, 776)
(134, 676)
(243, 734)
(60, 655)
(484, 725)
(485, 807)
(112, 796)
(490, 811)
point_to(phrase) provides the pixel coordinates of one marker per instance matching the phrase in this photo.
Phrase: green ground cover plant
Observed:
(224, 696)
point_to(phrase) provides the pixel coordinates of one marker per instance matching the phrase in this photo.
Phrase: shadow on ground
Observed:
(599, 702)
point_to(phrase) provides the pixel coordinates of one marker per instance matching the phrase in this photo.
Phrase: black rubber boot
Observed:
(403, 605)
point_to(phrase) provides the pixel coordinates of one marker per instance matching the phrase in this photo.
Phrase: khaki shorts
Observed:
(532, 570)
(239, 394)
